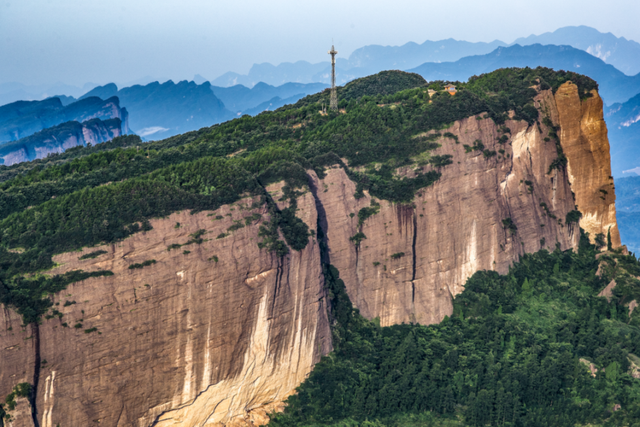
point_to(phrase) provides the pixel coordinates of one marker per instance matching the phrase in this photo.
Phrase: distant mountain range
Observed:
(362, 62)
(59, 138)
(240, 98)
(621, 53)
(615, 86)
(628, 211)
(623, 123)
(23, 118)
(159, 111)
(13, 91)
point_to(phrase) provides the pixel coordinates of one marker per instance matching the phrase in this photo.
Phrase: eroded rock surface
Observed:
(221, 332)
(195, 339)
(585, 143)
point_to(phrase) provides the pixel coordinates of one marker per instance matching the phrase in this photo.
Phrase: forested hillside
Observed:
(510, 354)
(536, 347)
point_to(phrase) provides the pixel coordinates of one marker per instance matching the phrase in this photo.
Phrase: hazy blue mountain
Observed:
(615, 86)
(273, 104)
(158, 111)
(23, 118)
(64, 99)
(13, 91)
(297, 72)
(362, 62)
(59, 138)
(104, 92)
(621, 53)
(240, 98)
(410, 55)
(628, 211)
(623, 123)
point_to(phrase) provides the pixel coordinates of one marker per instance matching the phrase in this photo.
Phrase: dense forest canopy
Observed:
(517, 351)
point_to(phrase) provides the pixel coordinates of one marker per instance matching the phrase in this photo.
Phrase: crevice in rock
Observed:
(33, 396)
(413, 245)
(277, 284)
(322, 226)
(413, 274)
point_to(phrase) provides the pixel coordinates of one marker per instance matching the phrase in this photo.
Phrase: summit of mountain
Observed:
(615, 86)
(618, 51)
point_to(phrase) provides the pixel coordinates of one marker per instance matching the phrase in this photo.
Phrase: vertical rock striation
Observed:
(220, 332)
(585, 143)
(416, 257)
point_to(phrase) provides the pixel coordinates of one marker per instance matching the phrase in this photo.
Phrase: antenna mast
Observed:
(333, 104)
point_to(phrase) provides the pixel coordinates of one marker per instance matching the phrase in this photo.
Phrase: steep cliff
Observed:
(195, 311)
(58, 139)
(417, 256)
(212, 330)
(584, 140)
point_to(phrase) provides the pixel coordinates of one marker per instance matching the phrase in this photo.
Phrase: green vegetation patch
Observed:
(143, 264)
(29, 295)
(94, 254)
(509, 355)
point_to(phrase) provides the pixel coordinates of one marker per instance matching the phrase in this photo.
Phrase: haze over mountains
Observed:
(23, 118)
(159, 110)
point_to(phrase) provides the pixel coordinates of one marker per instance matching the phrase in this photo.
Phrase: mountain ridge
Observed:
(225, 237)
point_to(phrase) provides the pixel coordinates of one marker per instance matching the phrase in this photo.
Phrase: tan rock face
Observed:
(417, 257)
(186, 341)
(585, 143)
(220, 333)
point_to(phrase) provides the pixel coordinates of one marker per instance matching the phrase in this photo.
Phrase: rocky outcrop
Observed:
(208, 333)
(585, 143)
(416, 257)
(220, 332)
(58, 139)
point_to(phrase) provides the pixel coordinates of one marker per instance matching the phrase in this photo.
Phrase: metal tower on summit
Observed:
(333, 104)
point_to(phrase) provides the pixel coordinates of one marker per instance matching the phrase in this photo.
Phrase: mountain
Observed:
(615, 86)
(621, 53)
(59, 138)
(624, 132)
(273, 104)
(362, 62)
(213, 270)
(23, 118)
(14, 91)
(410, 55)
(162, 110)
(628, 207)
(240, 98)
(297, 72)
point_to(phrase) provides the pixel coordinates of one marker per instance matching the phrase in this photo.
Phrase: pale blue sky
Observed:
(78, 41)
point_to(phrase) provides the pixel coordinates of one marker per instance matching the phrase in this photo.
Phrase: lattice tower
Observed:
(333, 103)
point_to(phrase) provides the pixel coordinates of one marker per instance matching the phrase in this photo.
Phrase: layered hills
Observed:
(199, 279)
(615, 86)
(158, 110)
(23, 118)
(59, 138)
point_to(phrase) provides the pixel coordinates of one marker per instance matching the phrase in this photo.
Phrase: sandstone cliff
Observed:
(220, 332)
(206, 334)
(584, 140)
